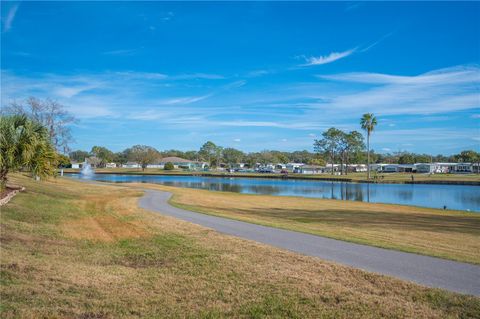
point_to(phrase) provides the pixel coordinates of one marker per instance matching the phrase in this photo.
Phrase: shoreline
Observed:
(294, 177)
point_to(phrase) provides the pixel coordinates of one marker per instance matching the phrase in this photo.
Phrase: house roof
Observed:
(174, 159)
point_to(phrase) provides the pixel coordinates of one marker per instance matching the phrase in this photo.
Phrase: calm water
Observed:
(460, 197)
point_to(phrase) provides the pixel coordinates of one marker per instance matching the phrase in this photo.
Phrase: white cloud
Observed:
(234, 85)
(257, 73)
(440, 91)
(332, 57)
(308, 107)
(386, 149)
(205, 76)
(142, 75)
(237, 140)
(452, 75)
(9, 18)
(122, 52)
(68, 92)
(368, 47)
(185, 100)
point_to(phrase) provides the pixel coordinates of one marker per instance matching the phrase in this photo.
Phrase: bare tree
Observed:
(50, 114)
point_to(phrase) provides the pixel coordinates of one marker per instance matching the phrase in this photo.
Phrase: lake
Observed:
(461, 197)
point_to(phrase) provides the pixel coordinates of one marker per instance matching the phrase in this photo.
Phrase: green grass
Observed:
(102, 257)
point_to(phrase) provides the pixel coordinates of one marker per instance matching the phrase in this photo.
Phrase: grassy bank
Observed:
(442, 233)
(76, 250)
(352, 177)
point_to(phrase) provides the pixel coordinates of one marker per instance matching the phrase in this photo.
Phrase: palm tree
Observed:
(368, 123)
(25, 144)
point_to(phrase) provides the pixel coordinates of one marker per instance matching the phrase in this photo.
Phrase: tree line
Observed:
(214, 155)
(35, 136)
(350, 150)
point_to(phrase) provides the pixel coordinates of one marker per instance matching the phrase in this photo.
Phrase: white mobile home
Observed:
(391, 168)
(311, 169)
(179, 162)
(357, 168)
(292, 166)
(131, 165)
(426, 168)
(76, 165)
(463, 168)
(377, 167)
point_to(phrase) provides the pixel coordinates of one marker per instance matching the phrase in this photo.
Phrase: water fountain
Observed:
(87, 170)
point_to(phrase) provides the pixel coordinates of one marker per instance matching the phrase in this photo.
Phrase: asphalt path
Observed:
(424, 270)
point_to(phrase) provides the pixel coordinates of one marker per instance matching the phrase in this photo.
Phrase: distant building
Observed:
(131, 165)
(77, 165)
(357, 168)
(377, 167)
(110, 165)
(178, 162)
(311, 169)
(390, 168)
(426, 168)
(463, 168)
(292, 166)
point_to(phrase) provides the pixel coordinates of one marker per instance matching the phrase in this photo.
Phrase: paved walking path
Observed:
(424, 270)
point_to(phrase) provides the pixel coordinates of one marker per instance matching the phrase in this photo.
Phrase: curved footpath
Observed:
(424, 270)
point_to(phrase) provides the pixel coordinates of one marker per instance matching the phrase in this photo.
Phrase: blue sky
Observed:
(251, 75)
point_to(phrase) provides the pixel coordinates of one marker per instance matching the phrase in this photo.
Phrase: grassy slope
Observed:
(442, 233)
(391, 177)
(77, 250)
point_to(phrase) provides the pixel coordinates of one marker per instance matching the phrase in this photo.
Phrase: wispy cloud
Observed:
(7, 25)
(122, 52)
(371, 45)
(186, 100)
(167, 16)
(454, 75)
(291, 110)
(70, 91)
(142, 75)
(257, 73)
(325, 59)
(352, 6)
(440, 91)
(204, 76)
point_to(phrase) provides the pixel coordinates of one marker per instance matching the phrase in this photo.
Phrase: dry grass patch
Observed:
(179, 270)
(111, 218)
(103, 228)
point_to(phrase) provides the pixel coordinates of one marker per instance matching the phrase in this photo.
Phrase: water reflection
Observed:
(453, 196)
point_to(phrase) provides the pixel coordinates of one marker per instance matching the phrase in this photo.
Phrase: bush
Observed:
(168, 166)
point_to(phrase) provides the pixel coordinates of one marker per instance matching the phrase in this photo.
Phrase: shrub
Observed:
(168, 166)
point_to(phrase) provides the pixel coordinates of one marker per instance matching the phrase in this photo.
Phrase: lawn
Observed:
(77, 250)
(355, 177)
(442, 233)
